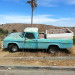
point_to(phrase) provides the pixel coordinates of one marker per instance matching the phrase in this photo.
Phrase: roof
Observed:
(31, 29)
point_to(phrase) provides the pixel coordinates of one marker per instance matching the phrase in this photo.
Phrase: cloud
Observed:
(25, 19)
(65, 22)
(70, 1)
(51, 3)
(38, 19)
(47, 3)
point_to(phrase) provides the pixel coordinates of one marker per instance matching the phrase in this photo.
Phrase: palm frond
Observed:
(28, 1)
(32, 3)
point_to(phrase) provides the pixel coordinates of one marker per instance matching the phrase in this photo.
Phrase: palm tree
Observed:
(33, 4)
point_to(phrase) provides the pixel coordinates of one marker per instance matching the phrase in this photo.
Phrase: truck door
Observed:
(30, 41)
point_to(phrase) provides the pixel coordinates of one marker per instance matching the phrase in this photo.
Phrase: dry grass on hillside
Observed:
(20, 27)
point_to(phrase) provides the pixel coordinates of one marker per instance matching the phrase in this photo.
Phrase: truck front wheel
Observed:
(53, 49)
(13, 48)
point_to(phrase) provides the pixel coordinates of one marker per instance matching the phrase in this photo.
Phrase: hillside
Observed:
(20, 27)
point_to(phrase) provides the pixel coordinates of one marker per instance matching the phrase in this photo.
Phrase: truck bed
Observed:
(59, 34)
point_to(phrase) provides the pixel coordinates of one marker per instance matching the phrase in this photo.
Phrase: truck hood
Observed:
(13, 37)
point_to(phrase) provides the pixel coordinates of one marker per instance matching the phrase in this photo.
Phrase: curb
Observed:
(42, 58)
(39, 67)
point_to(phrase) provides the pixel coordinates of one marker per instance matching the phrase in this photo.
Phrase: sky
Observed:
(49, 12)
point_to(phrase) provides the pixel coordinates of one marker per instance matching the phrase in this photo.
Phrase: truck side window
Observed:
(30, 36)
(42, 36)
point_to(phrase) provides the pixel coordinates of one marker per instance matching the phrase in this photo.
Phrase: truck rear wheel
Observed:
(13, 48)
(53, 49)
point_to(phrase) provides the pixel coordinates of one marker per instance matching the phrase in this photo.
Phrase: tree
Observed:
(6, 32)
(3, 31)
(33, 4)
(14, 30)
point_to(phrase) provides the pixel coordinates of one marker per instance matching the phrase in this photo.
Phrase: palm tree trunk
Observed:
(32, 17)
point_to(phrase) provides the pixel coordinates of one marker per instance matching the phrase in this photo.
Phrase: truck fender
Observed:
(53, 46)
(14, 44)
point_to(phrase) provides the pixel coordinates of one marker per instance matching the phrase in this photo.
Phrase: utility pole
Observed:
(33, 4)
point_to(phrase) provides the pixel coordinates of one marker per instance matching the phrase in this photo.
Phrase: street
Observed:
(36, 72)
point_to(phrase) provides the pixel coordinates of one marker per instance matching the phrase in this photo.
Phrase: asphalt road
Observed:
(34, 72)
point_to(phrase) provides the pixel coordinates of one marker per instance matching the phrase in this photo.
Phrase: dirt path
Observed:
(29, 62)
(2, 53)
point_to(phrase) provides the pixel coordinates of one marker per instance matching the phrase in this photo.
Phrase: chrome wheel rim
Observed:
(14, 48)
(52, 51)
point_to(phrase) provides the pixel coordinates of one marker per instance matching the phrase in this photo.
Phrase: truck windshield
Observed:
(22, 34)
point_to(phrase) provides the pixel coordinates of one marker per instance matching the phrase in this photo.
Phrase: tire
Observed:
(53, 49)
(13, 48)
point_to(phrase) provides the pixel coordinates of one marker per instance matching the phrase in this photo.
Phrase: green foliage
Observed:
(3, 31)
(74, 39)
(14, 30)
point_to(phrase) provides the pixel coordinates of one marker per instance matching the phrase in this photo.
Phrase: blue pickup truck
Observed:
(32, 39)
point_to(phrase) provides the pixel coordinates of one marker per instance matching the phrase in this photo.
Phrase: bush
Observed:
(14, 30)
(74, 39)
(3, 31)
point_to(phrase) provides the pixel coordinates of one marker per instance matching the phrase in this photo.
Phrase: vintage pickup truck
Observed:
(31, 39)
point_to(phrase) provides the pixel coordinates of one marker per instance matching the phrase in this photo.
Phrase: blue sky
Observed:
(50, 12)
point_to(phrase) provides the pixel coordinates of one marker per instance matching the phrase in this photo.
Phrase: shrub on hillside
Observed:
(14, 30)
(3, 31)
(74, 39)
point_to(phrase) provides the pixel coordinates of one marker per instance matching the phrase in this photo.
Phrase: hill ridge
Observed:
(21, 26)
